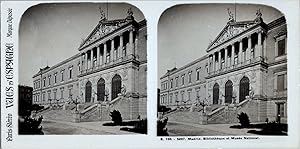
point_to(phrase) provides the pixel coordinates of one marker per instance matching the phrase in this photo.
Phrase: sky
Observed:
(184, 31)
(51, 33)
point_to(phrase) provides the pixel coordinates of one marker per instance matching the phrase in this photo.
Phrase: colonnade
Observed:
(108, 52)
(236, 53)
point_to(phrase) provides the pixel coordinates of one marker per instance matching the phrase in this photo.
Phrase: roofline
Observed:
(277, 22)
(185, 66)
(59, 64)
(133, 22)
(142, 23)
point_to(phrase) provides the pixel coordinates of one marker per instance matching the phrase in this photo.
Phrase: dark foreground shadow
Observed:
(272, 128)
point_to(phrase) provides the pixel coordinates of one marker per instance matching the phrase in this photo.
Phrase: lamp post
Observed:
(203, 104)
(106, 94)
(177, 103)
(50, 102)
(57, 101)
(75, 102)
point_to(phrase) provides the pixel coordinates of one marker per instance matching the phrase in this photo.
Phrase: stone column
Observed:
(220, 63)
(98, 55)
(104, 53)
(81, 61)
(214, 62)
(232, 54)
(135, 48)
(112, 50)
(101, 58)
(248, 53)
(92, 58)
(226, 56)
(208, 63)
(241, 58)
(86, 60)
(259, 52)
(265, 49)
(130, 51)
(121, 46)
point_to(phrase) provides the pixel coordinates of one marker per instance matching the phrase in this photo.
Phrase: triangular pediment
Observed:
(104, 28)
(231, 30)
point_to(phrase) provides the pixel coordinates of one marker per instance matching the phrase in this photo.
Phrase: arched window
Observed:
(101, 90)
(244, 88)
(116, 86)
(88, 91)
(216, 93)
(228, 92)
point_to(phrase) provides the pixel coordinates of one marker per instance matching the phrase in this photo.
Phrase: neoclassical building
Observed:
(247, 61)
(110, 62)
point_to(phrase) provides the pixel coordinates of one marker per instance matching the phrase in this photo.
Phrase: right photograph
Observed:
(222, 71)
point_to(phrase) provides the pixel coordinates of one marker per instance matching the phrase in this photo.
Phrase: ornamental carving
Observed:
(235, 78)
(107, 76)
(104, 28)
(125, 73)
(253, 75)
(232, 29)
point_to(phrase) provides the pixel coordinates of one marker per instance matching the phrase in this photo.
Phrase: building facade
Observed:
(246, 60)
(110, 60)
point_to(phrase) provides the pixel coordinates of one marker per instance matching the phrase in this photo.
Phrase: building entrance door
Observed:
(101, 90)
(244, 88)
(88, 91)
(216, 93)
(228, 92)
(116, 86)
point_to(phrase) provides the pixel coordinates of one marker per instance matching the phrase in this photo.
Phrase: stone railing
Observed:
(90, 110)
(216, 112)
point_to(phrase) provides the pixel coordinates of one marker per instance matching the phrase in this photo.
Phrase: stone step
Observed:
(184, 116)
(63, 115)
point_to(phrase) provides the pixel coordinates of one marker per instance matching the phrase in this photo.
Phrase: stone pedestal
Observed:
(203, 118)
(76, 116)
(80, 107)
(65, 106)
(208, 109)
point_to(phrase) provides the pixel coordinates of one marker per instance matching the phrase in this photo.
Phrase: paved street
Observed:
(189, 129)
(53, 127)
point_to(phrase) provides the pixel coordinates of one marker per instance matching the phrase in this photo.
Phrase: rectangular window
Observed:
(280, 83)
(54, 95)
(189, 95)
(44, 96)
(70, 73)
(176, 81)
(281, 47)
(49, 79)
(170, 98)
(61, 94)
(79, 67)
(182, 79)
(280, 109)
(198, 75)
(70, 92)
(190, 77)
(55, 78)
(171, 83)
(49, 95)
(62, 75)
(44, 82)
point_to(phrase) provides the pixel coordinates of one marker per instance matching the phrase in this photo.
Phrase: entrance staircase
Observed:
(128, 106)
(219, 113)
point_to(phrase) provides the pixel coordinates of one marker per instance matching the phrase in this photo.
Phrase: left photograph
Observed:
(82, 69)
